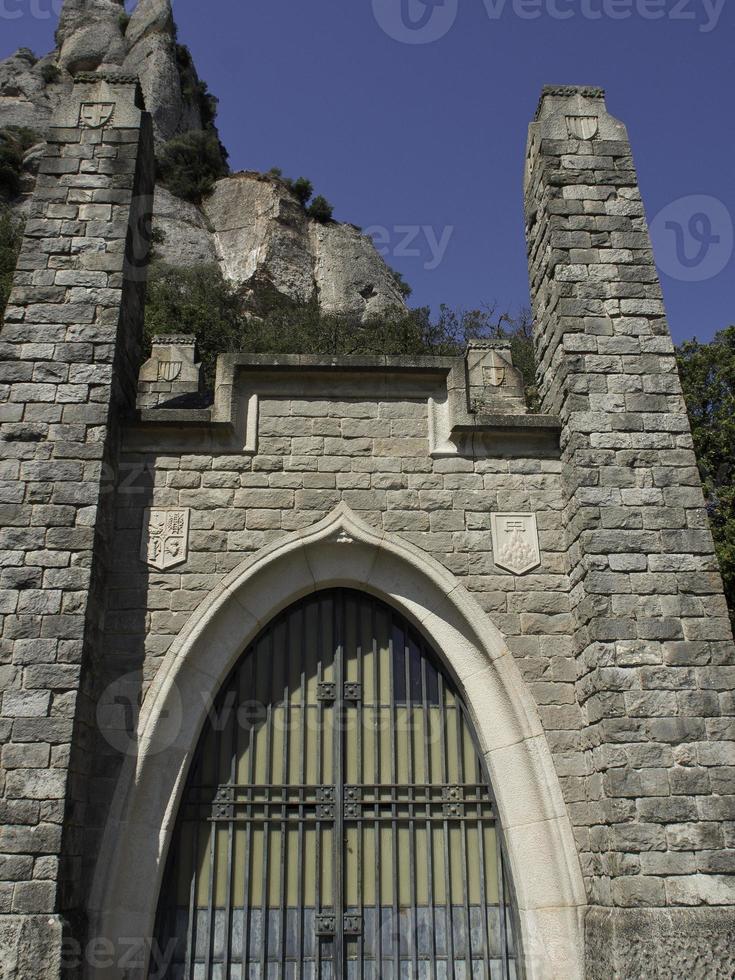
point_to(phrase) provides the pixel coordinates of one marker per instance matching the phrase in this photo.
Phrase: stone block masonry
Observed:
(69, 356)
(651, 633)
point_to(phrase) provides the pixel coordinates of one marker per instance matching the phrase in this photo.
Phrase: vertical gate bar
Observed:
(194, 891)
(249, 829)
(411, 806)
(502, 909)
(338, 634)
(212, 912)
(428, 774)
(483, 865)
(459, 724)
(285, 782)
(319, 775)
(449, 921)
(266, 823)
(300, 887)
(378, 774)
(394, 807)
(359, 654)
(235, 688)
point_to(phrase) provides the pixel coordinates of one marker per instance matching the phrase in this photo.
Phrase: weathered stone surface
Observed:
(186, 236)
(30, 947)
(660, 944)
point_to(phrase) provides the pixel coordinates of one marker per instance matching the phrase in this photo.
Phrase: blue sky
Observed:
(423, 142)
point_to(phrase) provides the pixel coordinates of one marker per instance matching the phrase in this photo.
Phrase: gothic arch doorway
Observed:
(338, 819)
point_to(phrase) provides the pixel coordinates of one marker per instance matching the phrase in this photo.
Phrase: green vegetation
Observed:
(14, 142)
(50, 73)
(190, 164)
(11, 237)
(123, 20)
(708, 378)
(194, 90)
(319, 210)
(201, 302)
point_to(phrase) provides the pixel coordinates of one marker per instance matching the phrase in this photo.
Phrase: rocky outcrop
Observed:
(252, 224)
(263, 234)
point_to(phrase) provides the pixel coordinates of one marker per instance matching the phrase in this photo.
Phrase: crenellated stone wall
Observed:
(651, 633)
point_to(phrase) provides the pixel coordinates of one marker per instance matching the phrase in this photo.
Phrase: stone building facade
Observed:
(560, 562)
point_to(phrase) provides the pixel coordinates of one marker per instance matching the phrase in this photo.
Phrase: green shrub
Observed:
(200, 301)
(302, 189)
(11, 238)
(14, 141)
(708, 379)
(189, 165)
(404, 288)
(50, 73)
(320, 210)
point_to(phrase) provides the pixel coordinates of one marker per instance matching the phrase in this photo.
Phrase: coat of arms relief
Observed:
(515, 542)
(165, 541)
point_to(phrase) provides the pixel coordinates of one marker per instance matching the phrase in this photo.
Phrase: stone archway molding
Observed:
(342, 550)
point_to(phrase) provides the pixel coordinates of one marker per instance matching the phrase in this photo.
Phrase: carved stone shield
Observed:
(583, 127)
(169, 370)
(515, 542)
(95, 115)
(165, 541)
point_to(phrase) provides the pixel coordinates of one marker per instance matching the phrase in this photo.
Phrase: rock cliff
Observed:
(252, 224)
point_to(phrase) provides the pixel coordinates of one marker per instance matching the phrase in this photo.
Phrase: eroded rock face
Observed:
(186, 237)
(262, 233)
(90, 34)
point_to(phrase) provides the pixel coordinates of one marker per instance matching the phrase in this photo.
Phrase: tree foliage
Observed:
(11, 237)
(189, 165)
(201, 302)
(14, 141)
(708, 378)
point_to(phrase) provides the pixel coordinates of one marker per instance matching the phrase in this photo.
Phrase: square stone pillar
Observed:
(652, 635)
(69, 354)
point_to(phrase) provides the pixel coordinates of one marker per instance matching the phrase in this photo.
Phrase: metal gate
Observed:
(337, 820)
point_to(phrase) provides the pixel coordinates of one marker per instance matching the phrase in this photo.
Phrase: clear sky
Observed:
(411, 117)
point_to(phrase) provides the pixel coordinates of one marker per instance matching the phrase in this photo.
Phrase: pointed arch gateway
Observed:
(499, 741)
(337, 819)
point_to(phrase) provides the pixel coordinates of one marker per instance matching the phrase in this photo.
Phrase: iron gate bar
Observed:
(429, 829)
(359, 652)
(285, 830)
(395, 941)
(246, 910)
(378, 768)
(338, 763)
(411, 825)
(447, 866)
(465, 867)
(301, 925)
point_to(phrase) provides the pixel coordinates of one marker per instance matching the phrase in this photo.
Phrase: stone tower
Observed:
(652, 638)
(559, 562)
(70, 355)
